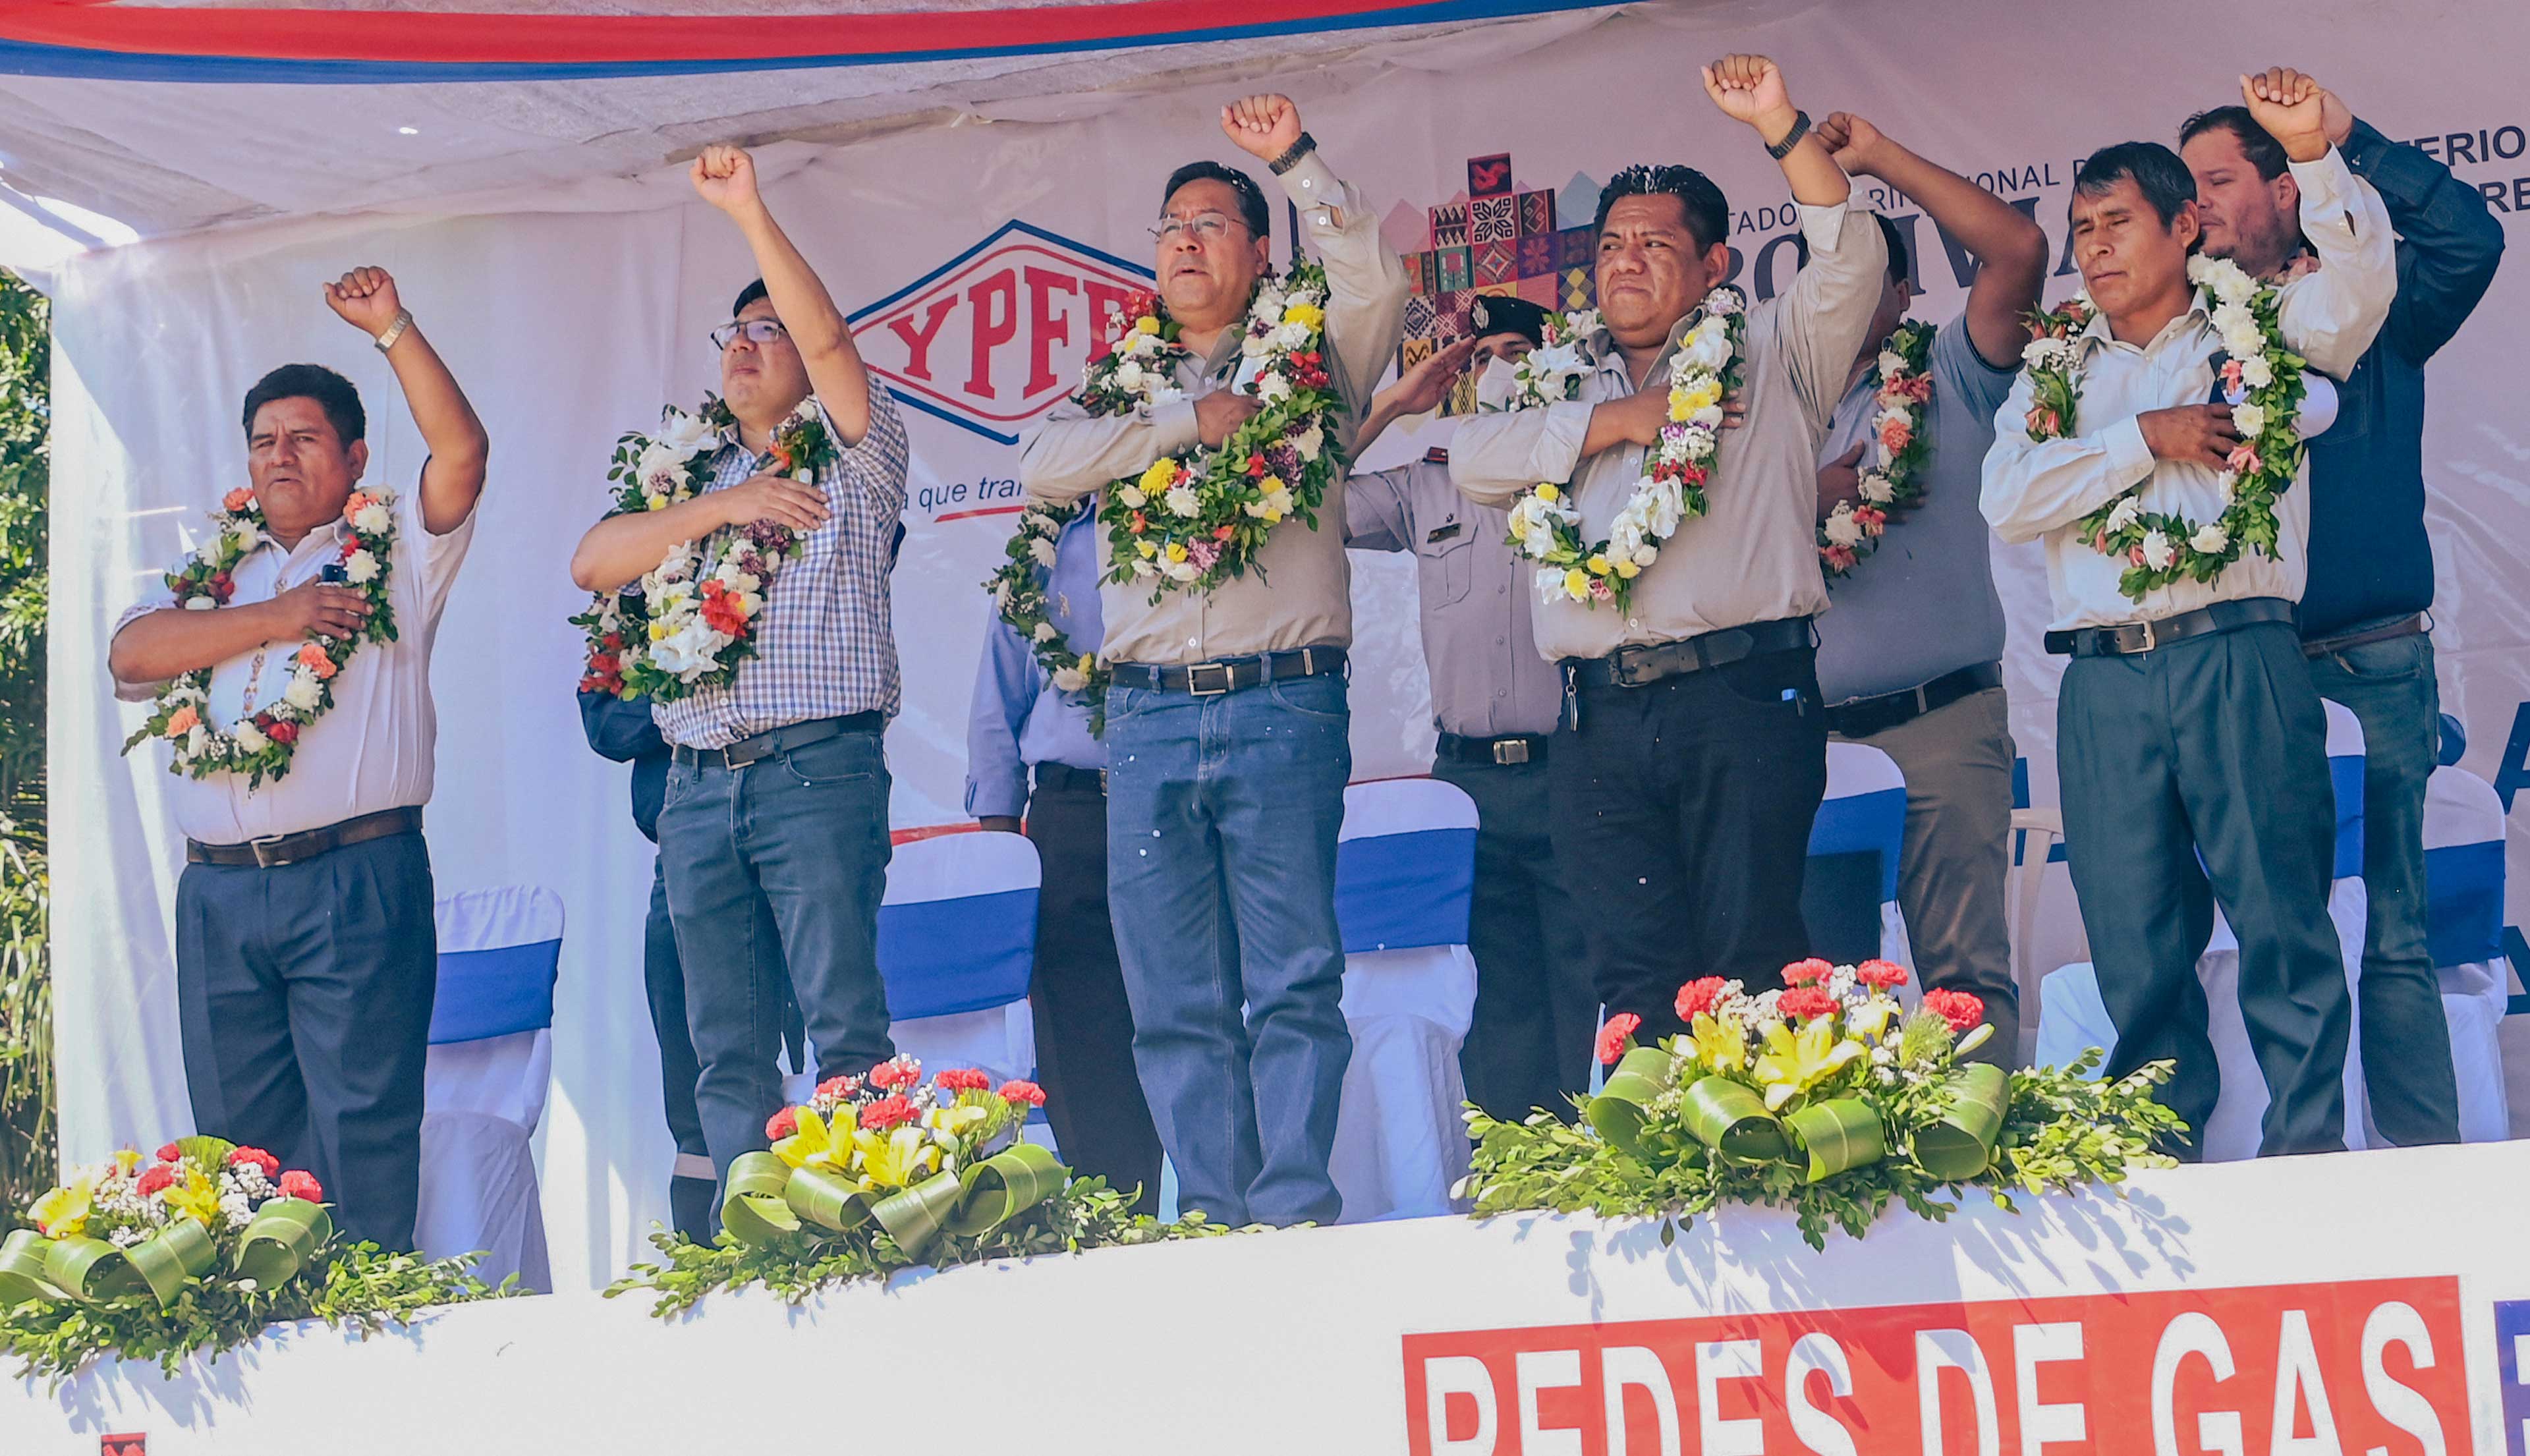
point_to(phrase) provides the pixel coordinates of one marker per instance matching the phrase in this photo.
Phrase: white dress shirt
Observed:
(373, 750)
(2041, 489)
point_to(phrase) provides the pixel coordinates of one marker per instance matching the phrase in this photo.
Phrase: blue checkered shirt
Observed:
(827, 643)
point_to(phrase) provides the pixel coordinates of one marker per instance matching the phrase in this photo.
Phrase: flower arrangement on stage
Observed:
(202, 1245)
(891, 1171)
(1826, 1097)
(1902, 387)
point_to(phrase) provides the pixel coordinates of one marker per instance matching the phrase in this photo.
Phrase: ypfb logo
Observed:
(992, 338)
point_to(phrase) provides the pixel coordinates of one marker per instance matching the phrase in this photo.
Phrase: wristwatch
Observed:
(1792, 137)
(395, 331)
(1292, 158)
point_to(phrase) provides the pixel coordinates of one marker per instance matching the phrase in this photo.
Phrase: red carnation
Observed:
(886, 1112)
(839, 1087)
(283, 733)
(295, 1184)
(1884, 975)
(257, 1157)
(1023, 1092)
(170, 1153)
(1808, 972)
(1614, 1036)
(1963, 1010)
(1223, 531)
(895, 1073)
(156, 1178)
(782, 1124)
(963, 1079)
(1805, 1003)
(1696, 998)
(1255, 463)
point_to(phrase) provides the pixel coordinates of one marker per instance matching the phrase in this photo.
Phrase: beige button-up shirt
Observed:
(2035, 489)
(1298, 591)
(1754, 555)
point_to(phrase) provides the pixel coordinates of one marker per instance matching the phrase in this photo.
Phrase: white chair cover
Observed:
(2464, 899)
(483, 1095)
(1404, 875)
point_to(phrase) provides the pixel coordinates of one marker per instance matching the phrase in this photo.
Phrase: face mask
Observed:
(1496, 385)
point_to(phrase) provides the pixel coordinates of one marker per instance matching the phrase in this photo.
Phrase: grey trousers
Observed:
(1957, 762)
(2216, 747)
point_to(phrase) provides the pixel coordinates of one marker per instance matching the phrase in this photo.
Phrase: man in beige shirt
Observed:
(1227, 722)
(1692, 754)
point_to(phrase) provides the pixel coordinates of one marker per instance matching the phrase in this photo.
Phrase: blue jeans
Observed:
(804, 833)
(2406, 1043)
(1222, 815)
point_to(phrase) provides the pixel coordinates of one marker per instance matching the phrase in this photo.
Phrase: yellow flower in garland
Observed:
(63, 1212)
(1157, 479)
(1599, 565)
(1307, 315)
(1793, 1062)
(1547, 491)
(1176, 551)
(1576, 583)
(1683, 405)
(1146, 324)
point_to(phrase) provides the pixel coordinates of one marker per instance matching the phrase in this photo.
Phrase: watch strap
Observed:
(395, 331)
(1290, 157)
(1792, 137)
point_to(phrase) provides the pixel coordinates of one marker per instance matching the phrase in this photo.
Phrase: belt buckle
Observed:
(1509, 751)
(266, 856)
(2151, 637)
(1195, 679)
(730, 759)
(1621, 667)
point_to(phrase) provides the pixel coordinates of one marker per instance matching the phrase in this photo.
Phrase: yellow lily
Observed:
(899, 1157)
(1722, 1048)
(63, 1212)
(820, 1143)
(1871, 1018)
(964, 1120)
(196, 1195)
(1793, 1062)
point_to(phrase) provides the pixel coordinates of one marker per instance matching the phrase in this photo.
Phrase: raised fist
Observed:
(366, 298)
(1750, 89)
(2293, 108)
(1264, 126)
(1856, 141)
(725, 177)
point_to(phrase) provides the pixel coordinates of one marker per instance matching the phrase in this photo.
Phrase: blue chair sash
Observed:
(494, 993)
(1399, 891)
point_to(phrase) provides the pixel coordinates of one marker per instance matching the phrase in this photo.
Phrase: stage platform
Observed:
(2373, 1303)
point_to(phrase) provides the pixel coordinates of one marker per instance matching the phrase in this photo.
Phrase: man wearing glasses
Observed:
(1226, 727)
(777, 788)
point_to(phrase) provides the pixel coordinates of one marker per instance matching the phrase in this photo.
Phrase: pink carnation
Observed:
(1018, 1091)
(295, 1184)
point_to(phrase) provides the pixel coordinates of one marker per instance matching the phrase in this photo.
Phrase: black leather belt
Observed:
(1212, 680)
(1064, 779)
(2410, 626)
(1636, 667)
(1863, 717)
(2129, 638)
(1508, 749)
(783, 739)
(290, 849)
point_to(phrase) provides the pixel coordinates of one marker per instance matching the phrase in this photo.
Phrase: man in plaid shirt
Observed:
(777, 792)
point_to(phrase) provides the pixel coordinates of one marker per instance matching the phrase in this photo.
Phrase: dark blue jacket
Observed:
(625, 733)
(2370, 561)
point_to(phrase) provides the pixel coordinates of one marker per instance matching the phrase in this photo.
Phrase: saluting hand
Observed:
(2289, 105)
(725, 177)
(1264, 126)
(1421, 388)
(365, 299)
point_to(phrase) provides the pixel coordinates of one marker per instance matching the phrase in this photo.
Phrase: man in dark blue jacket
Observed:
(2365, 615)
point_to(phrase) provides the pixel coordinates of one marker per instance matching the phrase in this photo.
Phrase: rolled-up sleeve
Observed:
(1495, 456)
(2033, 487)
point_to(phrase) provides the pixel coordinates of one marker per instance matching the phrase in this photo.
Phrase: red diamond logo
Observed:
(991, 338)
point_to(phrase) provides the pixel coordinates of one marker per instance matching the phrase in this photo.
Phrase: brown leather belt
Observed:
(290, 849)
(2405, 628)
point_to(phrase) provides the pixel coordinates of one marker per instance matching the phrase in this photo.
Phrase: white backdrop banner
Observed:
(976, 258)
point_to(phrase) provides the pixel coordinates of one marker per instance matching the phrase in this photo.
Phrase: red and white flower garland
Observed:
(1851, 532)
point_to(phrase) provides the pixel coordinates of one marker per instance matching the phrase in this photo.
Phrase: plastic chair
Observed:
(1406, 874)
(491, 1061)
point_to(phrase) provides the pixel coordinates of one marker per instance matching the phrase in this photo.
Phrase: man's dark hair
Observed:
(1899, 265)
(746, 295)
(332, 393)
(2158, 172)
(1708, 212)
(1251, 199)
(2265, 153)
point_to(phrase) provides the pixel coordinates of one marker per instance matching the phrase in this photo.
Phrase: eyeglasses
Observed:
(758, 332)
(1206, 227)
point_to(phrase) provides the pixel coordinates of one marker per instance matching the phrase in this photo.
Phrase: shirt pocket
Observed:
(1444, 568)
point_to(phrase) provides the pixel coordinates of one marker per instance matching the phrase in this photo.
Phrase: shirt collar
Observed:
(2199, 316)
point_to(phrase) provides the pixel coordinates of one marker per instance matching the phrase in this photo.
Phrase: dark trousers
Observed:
(2406, 1039)
(1085, 1027)
(306, 995)
(1529, 1045)
(1682, 813)
(663, 979)
(800, 836)
(2213, 747)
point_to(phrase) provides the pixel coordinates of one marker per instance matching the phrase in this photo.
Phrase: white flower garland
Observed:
(650, 472)
(1851, 532)
(1019, 595)
(1545, 525)
(263, 745)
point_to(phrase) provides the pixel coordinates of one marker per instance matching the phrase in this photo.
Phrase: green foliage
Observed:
(26, 1099)
(2061, 1131)
(355, 1288)
(1086, 1215)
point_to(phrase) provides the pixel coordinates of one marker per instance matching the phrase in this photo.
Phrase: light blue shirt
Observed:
(1017, 718)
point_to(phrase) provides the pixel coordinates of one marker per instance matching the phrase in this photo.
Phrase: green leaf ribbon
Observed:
(1624, 1103)
(281, 1239)
(21, 1269)
(1961, 1145)
(94, 1271)
(1838, 1134)
(767, 1199)
(1730, 1117)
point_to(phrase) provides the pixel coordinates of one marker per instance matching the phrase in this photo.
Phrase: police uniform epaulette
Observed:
(1436, 456)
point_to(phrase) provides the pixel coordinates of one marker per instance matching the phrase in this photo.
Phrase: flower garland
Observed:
(702, 604)
(650, 472)
(1019, 595)
(203, 1244)
(2262, 384)
(1851, 532)
(1546, 525)
(1196, 519)
(1826, 1096)
(263, 744)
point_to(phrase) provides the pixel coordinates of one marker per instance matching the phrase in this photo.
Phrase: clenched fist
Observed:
(1750, 89)
(2293, 109)
(725, 177)
(366, 298)
(1264, 126)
